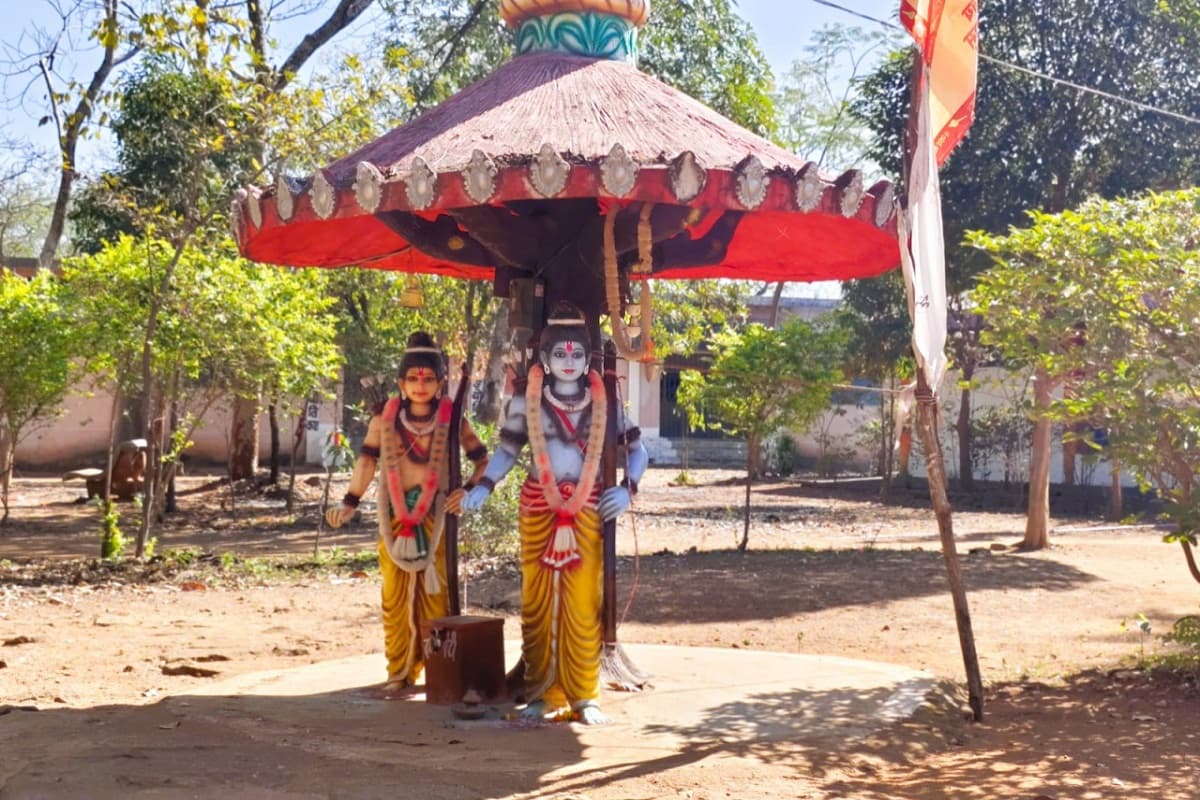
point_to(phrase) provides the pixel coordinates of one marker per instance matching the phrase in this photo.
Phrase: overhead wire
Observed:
(1032, 72)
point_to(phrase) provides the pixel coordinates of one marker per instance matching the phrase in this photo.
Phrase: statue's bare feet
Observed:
(396, 687)
(590, 714)
(535, 710)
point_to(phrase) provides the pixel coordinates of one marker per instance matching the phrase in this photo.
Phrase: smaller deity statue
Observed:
(410, 437)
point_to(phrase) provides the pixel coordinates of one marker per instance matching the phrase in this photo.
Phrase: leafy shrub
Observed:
(492, 530)
(782, 455)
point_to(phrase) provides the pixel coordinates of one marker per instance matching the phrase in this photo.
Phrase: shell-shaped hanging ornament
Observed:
(809, 188)
(253, 205)
(421, 184)
(285, 201)
(479, 177)
(751, 182)
(618, 172)
(322, 195)
(548, 171)
(687, 177)
(368, 186)
(885, 206)
(853, 194)
(235, 214)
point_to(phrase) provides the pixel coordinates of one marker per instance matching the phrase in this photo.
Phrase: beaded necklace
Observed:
(570, 406)
(411, 425)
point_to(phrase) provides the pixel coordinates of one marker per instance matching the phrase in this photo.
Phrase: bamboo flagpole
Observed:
(454, 481)
(943, 102)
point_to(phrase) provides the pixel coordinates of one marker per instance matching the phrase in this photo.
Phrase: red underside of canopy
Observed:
(768, 246)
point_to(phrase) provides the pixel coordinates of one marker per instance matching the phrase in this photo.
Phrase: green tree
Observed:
(815, 96)
(764, 380)
(1036, 144)
(222, 324)
(161, 118)
(205, 111)
(37, 342)
(1109, 295)
(24, 203)
(874, 315)
(234, 40)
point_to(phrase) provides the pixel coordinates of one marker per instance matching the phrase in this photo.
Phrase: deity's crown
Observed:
(568, 322)
(514, 12)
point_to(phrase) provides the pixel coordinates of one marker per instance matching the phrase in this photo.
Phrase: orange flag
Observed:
(947, 33)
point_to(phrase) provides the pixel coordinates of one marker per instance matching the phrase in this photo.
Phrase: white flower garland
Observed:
(562, 550)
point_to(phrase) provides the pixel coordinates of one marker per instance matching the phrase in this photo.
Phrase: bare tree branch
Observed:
(346, 12)
(68, 139)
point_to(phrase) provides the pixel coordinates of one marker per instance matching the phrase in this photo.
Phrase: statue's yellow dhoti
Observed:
(561, 629)
(406, 603)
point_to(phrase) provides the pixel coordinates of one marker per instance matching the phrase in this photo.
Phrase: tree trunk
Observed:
(887, 426)
(8, 451)
(966, 474)
(243, 456)
(171, 505)
(153, 457)
(750, 448)
(1037, 521)
(76, 120)
(776, 302)
(1115, 500)
(1070, 447)
(754, 457)
(885, 442)
(297, 437)
(488, 409)
(1068, 462)
(273, 422)
(152, 454)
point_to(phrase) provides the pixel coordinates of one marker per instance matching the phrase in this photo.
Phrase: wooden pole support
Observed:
(936, 472)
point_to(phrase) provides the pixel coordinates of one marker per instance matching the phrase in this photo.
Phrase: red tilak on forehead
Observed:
(570, 347)
(421, 372)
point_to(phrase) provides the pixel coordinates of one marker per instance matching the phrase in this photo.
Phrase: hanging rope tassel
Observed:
(612, 286)
(562, 549)
(433, 584)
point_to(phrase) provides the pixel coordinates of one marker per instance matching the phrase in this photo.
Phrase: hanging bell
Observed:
(412, 297)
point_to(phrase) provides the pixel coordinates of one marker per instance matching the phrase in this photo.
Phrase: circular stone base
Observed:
(316, 731)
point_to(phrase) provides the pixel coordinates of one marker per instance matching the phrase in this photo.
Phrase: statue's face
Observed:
(568, 361)
(420, 384)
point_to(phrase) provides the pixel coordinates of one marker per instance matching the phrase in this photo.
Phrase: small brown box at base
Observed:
(463, 653)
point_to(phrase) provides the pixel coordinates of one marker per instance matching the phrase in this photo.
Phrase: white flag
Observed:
(923, 249)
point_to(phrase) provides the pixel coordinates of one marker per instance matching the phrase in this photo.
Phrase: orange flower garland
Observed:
(409, 522)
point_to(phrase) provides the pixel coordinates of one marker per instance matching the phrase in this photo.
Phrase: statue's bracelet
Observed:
(487, 483)
(350, 500)
(631, 485)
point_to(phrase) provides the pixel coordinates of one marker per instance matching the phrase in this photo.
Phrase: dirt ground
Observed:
(830, 570)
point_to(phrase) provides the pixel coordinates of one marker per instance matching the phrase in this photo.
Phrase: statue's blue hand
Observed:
(474, 499)
(614, 502)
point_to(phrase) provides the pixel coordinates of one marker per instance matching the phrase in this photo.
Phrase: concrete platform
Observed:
(322, 732)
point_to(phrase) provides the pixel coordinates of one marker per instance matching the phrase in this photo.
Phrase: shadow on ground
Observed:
(1062, 741)
(716, 586)
(336, 744)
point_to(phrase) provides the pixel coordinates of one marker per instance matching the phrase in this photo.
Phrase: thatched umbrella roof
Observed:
(552, 128)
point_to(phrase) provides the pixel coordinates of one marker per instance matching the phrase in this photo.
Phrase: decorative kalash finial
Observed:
(589, 28)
